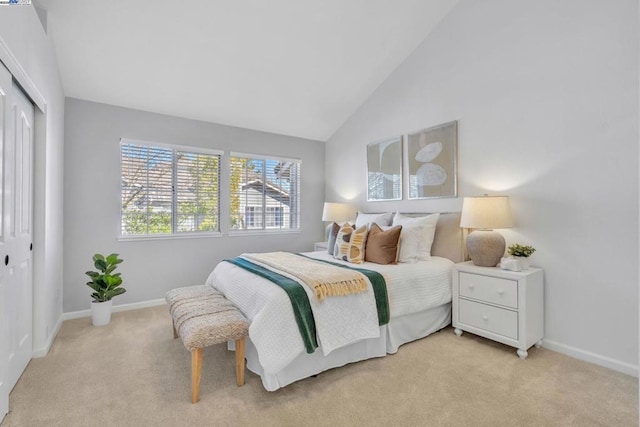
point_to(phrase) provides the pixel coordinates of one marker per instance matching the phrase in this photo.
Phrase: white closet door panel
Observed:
(15, 250)
(16, 200)
(5, 89)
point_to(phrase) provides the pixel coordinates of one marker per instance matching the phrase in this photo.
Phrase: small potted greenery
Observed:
(105, 285)
(522, 253)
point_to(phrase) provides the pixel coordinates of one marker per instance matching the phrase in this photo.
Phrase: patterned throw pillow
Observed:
(350, 243)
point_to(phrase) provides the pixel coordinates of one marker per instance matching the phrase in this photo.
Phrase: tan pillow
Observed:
(382, 246)
(350, 243)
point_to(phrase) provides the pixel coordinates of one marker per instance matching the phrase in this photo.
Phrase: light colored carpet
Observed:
(132, 373)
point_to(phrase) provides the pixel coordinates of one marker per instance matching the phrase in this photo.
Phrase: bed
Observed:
(419, 300)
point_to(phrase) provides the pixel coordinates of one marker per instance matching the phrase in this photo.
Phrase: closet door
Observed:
(5, 91)
(16, 288)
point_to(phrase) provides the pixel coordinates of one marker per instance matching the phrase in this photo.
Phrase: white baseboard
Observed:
(43, 351)
(587, 356)
(115, 309)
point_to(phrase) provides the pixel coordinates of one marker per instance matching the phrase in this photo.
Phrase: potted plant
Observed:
(521, 253)
(106, 285)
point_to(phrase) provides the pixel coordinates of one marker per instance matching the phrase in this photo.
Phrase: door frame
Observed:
(20, 75)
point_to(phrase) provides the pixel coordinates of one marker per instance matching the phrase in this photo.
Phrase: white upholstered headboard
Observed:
(448, 240)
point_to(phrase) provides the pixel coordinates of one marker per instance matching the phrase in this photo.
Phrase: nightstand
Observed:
(504, 306)
(320, 246)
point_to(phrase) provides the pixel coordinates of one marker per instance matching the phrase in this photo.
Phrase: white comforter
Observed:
(274, 332)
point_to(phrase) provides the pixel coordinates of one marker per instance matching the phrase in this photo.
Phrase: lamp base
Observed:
(485, 247)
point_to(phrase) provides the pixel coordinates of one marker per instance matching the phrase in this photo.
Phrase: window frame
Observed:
(175, 148)
(263, 208)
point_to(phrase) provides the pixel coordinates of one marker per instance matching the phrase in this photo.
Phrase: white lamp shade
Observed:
(338, 212)
(486, 212)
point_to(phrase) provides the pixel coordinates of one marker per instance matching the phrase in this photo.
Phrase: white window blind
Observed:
(265, 193)
(168, 190)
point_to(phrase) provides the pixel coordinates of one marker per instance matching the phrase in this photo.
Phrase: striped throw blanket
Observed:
(325, 280)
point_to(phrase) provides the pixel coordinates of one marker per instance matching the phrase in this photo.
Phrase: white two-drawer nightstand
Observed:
(320, 246)
(504, 306)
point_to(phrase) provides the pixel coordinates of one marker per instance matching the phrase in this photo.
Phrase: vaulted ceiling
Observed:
(294, 67)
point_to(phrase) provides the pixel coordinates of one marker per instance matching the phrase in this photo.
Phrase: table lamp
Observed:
(483, 214)
(338, 212)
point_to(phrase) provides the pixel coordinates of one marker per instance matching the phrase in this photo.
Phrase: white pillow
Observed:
(382, 219)
(416, 236)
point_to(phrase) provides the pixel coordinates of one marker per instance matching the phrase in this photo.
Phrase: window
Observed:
(274, 216)
(253, 216)
(265, 193)
(168, 190)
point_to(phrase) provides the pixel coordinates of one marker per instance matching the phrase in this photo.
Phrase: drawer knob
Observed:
(471, 286)
(485, 318)
(500, 292)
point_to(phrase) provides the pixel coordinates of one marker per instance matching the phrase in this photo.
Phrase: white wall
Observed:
(31, 48)
(150, 268)
(545, 94)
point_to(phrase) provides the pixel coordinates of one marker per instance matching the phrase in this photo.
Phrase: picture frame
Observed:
(384, 170)
(431, 162)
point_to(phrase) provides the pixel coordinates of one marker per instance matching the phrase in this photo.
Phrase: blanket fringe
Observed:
(341, 288)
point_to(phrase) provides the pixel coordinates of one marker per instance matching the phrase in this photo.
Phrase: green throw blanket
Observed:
(300, 301)
(297, 295)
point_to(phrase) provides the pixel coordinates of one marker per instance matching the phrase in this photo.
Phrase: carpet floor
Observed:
(132, 373)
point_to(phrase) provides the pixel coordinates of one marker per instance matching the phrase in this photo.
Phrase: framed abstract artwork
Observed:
(431, 162)
(384, 170)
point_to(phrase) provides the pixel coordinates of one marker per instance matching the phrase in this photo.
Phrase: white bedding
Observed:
(411, 288)
(342, 320)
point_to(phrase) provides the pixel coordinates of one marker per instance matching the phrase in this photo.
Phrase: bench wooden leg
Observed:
(175, 333)
(196, 371)
(240, 361)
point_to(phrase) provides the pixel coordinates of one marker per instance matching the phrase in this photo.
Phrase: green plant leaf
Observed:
(521, 250)
(112, 281)
(113, 259)
(101, 264)
(93, 286)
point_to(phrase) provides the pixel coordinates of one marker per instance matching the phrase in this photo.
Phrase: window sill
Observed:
(234, 233)
(169, 236)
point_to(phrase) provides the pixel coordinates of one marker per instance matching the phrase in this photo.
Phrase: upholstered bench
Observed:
(202, 316)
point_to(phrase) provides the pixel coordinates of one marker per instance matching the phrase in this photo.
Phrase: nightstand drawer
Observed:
(492, 319)
(489, 289)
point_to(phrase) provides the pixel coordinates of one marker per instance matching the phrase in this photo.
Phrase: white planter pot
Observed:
(101, 313)
(514, 263)
(524, 261)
